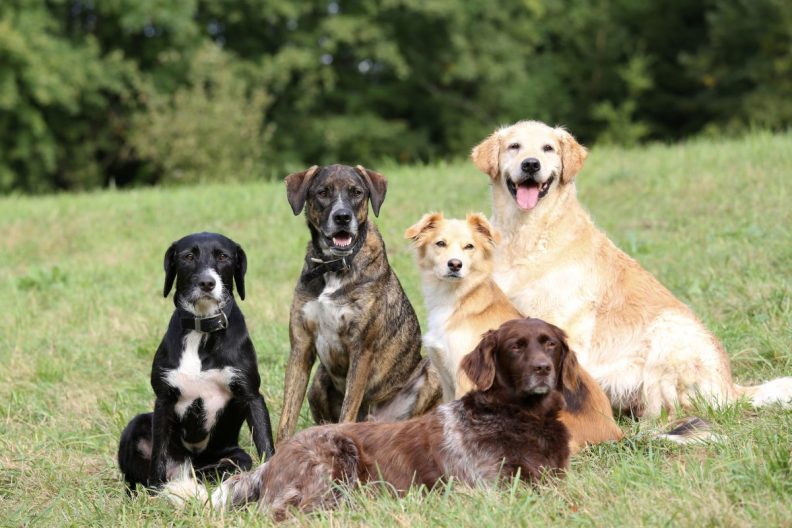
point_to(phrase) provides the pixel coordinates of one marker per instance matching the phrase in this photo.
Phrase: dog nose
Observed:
(207, 284)
(342, 217)
(541, 367)
(531, 165)
(455, 264)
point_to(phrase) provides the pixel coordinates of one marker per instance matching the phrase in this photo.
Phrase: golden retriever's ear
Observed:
(419, 231)
(481, 225)
(486, 155)
(377, 186)
(573, 154)
(297, 188)
(568, 372)
(479, 365)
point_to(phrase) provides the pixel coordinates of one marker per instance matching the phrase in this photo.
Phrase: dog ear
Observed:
(170, 269)
(486, 155)
(297, 188)
(481, 225)
(568, 375)
(573, 154)
(377, 187)
(418, 231)
(240, 268)
(479, 365)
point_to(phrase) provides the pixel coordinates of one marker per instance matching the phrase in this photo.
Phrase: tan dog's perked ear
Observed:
(297, 188)
(479, 223)
(377, 186)
(479, 365)
(573, 154)
(418, 231)
(486, 155)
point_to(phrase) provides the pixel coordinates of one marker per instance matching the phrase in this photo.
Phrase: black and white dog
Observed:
(204, 375)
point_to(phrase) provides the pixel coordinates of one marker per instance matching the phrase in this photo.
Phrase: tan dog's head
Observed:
(451, 250)
(528, 159)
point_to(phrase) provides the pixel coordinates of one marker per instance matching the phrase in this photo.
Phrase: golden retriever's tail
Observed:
(777, 391)
(236, 490)
(691, 430)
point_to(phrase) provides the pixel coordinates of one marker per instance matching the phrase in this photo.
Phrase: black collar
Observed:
(213, 323)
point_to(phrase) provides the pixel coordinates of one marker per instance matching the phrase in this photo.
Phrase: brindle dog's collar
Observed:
(320, 267)
(209, 324)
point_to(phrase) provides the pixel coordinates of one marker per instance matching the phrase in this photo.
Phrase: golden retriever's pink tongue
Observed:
(527, 196)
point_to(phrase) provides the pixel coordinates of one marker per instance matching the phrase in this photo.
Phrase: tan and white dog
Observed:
(645, 347)
(463, 302)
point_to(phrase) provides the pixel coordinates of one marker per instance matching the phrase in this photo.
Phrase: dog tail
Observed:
(778, 390)
(236, 490)
(691, 430)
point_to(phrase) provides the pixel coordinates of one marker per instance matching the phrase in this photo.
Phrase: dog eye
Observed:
(440, 243)
(222, 257)
(514, 146)
(468, 247)
(323, 193)
(550, 344)
(188, 257)
(548, 148)
(357, 193)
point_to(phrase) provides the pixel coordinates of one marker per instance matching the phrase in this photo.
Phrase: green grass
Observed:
(82, 313)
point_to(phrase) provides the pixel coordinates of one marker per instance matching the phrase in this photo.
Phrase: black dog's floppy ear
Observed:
(240, 268)
(170, 269)
(297, 188)
(479, 365)
(377, 187)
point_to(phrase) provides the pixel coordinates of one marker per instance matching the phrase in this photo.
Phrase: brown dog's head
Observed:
(449, 249)
(527, 159)
(336, 200)
(522, 358)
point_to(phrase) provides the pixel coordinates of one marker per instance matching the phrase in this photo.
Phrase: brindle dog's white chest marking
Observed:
(212, 385)
(332, 320)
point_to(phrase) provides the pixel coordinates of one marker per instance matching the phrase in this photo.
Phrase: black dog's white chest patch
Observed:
(212, 386)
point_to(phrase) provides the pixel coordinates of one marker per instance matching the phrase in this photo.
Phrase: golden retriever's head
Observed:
(451, 250)
(528, 159)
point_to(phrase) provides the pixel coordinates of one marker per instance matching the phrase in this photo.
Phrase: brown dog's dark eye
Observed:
(323, 193)
(357, 193)
(468, 247)
(440, 243)
(514, 146)
(548, 148)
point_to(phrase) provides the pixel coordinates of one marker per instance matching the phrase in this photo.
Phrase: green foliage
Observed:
(126, 92)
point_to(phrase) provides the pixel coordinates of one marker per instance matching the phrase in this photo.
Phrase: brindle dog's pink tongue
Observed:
(527, 197)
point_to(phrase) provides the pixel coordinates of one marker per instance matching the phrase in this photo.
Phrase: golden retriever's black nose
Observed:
(455, 264)
(343, 217)
(530, 165)
(207, 284)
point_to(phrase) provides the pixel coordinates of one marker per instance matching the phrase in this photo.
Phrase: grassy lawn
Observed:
(80, 286)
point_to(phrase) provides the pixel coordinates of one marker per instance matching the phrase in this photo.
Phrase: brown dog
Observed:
(350, 310)
(455, 258)
(507, 428)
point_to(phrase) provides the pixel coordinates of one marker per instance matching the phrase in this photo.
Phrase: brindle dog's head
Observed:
(336, 199)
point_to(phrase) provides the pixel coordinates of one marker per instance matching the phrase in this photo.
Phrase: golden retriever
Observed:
(646, 348)
(455, 258)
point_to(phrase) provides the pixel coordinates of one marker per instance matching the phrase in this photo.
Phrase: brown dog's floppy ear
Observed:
(297, 188)
(170, 269)
(573, 154)
(568, 375)
(418, 231)
(377, 186)
(486, 154)
(481, 225)
(240, 268)
(479, 365)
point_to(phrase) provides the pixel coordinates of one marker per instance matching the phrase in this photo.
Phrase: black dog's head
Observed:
(204, 266)
(336, 199)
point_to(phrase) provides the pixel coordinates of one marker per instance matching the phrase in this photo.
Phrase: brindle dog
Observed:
(350, 310)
